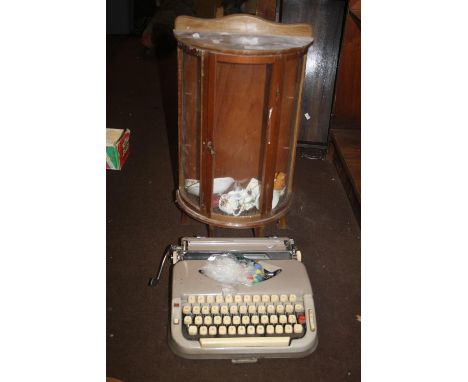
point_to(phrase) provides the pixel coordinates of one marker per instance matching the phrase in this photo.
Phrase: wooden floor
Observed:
(345, 152)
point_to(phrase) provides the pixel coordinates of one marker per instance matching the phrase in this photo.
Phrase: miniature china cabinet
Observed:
(240, 84)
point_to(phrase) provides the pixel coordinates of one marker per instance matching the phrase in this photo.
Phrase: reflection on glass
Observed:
(190, 157)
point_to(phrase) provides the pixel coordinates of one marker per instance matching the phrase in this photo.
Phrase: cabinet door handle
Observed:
(209, 146)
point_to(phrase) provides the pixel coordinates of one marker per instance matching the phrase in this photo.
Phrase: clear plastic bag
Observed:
(233, 270)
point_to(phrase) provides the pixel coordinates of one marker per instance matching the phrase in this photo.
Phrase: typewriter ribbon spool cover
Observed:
(240, 299)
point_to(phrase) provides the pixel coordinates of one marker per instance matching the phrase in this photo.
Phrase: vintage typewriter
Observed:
(274, 318)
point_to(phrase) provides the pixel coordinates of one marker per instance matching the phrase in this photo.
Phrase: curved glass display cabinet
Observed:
(240, 87)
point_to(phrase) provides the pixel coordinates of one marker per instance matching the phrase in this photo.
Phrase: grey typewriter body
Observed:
(274, 318)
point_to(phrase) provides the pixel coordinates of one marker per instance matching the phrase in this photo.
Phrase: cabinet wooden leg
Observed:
(259, 231)
(282, 222)
(184, 219)
(211, 230)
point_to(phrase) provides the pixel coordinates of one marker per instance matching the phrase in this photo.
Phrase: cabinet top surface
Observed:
(242, 34)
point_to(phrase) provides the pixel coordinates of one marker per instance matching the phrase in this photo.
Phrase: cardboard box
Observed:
(117, 148)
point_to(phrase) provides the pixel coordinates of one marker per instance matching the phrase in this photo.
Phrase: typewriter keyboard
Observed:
(244, 320)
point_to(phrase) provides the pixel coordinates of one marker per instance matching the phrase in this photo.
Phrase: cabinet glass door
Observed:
(189, 121)
(238, 136)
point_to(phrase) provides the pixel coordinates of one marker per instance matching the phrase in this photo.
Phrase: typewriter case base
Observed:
(290, 280)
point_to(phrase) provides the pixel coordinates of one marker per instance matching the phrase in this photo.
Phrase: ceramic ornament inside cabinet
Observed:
(240, 86)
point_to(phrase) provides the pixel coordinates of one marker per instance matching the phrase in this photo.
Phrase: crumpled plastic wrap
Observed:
(233, 270)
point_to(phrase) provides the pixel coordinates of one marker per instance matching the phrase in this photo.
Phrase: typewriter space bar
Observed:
(235, 342)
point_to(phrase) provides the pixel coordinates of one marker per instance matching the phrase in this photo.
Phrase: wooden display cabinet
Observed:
(240, 87)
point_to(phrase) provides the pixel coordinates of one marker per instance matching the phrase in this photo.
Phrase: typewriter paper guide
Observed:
(188, 280)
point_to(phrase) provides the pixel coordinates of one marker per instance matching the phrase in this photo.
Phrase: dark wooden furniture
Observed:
(240, 86)
(322, 60)
(347, 106)
(345, 153)
(345, 133)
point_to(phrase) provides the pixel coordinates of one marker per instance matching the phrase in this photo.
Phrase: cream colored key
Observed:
(245, 320)
(186, 309)
(273, 319)
(196, 309)
(250, 329)
(210, 299)
(232, 330)
(292, 298)
(188, 320)
(270, 329)
(279, 329)
(236, 320)
(228, 299)
(175, 321)
(284, 298)
(289, 308)
(212, 330)
(233, 309)
(288, 329)
(215, 309)
(252, 309)
(227, 320)
(219, 299)
(205, 309)
(241, 330)
(192, 330)
(292, 319)
(299, 308)
(237, 298)
(201, 299)
(236, 342)
(283, 319)
(256, 298)
(224, 309)
(274, 298)
(198, 320)
(243, 309)
(203, 330)
(261, 309)
(298, 329)
(264, 319)
(247, 298)
(311, 320)
(191, 299)
(280, 309)
(217, 320)
(270, 309)
(222, 330)
(254, 319)
(208, 320)
(260, 329)
(265, 298)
